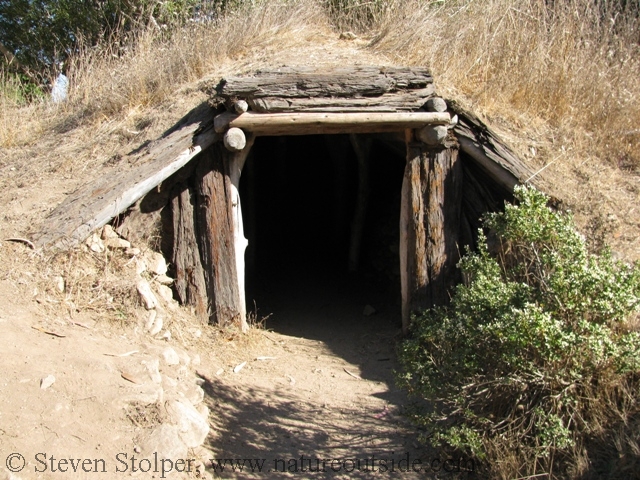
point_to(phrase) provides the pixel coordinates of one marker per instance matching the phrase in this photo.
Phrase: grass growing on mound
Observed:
(535, 359)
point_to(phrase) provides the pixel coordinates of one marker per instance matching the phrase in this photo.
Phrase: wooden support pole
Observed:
(269, 124)
(362, 147)
(189, 283)
(215, 218)
(429, 226)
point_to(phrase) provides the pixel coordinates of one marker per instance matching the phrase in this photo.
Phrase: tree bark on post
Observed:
(429, 225)
(215, 218)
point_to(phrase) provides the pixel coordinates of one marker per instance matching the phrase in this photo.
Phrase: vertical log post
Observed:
(362, 147)
(429, 224)
(189, 283)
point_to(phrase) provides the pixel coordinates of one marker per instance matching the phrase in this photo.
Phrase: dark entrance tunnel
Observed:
(299, 196)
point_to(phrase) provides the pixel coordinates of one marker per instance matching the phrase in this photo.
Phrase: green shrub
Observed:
(535, 357)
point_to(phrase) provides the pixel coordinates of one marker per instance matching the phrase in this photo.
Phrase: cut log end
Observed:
(433, 135)
(240, 106)
(436, 104)
(235, 140)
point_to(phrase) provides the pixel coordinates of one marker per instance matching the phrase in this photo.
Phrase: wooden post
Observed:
(215, 218)
(189, 283)
(429, 225)
(362, 147)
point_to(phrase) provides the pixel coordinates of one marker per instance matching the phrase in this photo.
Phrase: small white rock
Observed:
(165, 293)
(192, 427)
(170, 356)
(108, 232)
(95, 243)
(157, 326)
(117, 243)
(195, 359)
(153, 369)
(156, 263)
(148, 298)
(151, 319)
(141, 266)
(164, 280)
(47, 381)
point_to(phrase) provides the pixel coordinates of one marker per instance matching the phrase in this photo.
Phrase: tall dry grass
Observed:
(571, 63)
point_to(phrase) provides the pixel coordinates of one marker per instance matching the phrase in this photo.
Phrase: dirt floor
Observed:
(309, 393)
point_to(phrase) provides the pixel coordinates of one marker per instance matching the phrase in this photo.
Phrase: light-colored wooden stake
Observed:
(270, 124)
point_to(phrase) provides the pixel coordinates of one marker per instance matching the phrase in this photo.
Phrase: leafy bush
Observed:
(536, 356)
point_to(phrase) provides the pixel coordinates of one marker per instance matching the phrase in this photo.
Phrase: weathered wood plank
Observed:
(272, 124)
(403, 101)
(93, 205)
(189, 274)
(292, 82)
(483, 145)
(429, 226)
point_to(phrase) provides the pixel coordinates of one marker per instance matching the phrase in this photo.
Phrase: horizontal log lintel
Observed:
(270, 124)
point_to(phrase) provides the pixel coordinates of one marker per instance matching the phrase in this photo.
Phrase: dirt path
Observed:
(319, 386)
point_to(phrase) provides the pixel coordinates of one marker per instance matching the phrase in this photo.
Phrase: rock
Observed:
(59, 283)
(95, 243)
(433, 135)
(195, 359)
(164, 280)
(184, 358)
(203, 410)
(148, 298)
(368, 311)
(109, 232)
(165, 441)
(132, 252)
(143, 394)
(192, 428)
(170, 356)
(157, 326)
(436, 104)
(117, 243)
(153, 369)
(193, 393)
(151, 319)
(47, 381)
(165, 293)
(141, 266)
(170, 382)
(156, 263)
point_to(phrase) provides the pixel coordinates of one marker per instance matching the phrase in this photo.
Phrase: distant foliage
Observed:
(535, 357)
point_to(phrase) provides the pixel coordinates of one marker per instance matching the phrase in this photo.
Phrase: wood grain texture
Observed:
(276, 124)
(93, 205)
(292, 82)
(214, 216)
(190, 279)
(429, 227)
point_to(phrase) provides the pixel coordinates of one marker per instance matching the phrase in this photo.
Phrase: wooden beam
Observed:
(429, 226)
(92, 206)
(271, 124)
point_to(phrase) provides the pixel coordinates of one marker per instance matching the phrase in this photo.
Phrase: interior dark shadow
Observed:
(299, 197)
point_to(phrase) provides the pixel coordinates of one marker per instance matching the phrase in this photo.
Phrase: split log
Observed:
(214, 215)
(404, 101)
(270, 124)
(489, 152)
(309, 82)
(189, 282)
(429, 226)
(362, 147)
(92, 206)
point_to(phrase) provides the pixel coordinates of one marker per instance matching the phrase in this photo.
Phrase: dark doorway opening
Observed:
(299, 195)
